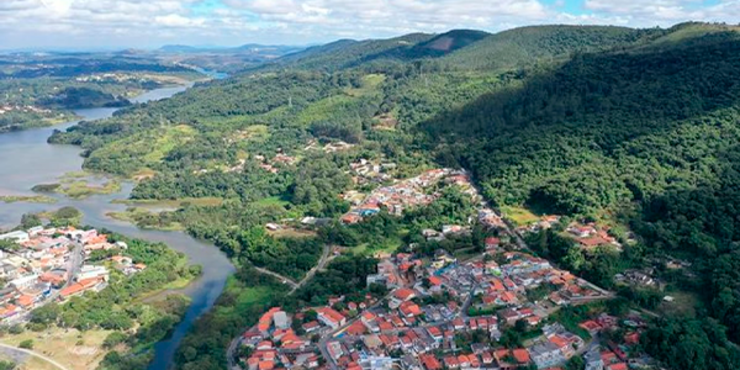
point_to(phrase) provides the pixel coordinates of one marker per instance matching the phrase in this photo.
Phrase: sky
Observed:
(116, 24)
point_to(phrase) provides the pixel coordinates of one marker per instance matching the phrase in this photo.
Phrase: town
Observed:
(446, 314)
(43, 265)
(503, 308)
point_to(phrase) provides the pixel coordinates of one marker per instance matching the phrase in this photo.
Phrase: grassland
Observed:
(684, 305)
(388, 247)
(520, 216)
(83, 189)
(142, 151)
(29, 363)
(27, 199)
(74, 349)
(291, 233)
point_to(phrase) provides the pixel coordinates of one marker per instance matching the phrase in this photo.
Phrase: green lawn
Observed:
(520, 216)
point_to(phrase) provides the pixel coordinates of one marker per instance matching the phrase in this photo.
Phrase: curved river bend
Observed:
(27, 160)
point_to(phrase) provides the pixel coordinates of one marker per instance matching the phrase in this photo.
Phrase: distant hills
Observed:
(252, 48)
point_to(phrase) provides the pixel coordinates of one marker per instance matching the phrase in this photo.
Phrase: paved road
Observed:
(283, 279)
(73, 267)
(16, 352)
(320, 266)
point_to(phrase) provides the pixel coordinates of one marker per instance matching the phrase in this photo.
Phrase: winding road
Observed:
(285, 280)
(20, 352)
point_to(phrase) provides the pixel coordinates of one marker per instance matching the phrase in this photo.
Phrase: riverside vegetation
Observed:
(637, 128)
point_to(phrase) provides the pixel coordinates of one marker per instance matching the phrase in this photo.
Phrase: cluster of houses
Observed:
(435, 302)
(592, 235)
(112, 77)
(611, 355)
(44, 267)
(543, 223)
(7, 108)
(588, 236)
(366, 172)
(275, 344)
(273, 341)
(444, 314)
(398, 197)
(271, 165)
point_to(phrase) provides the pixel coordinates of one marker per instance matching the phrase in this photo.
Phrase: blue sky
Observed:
(84, 24)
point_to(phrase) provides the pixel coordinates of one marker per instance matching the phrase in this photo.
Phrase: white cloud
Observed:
(667, 12)
(176, 20)
(154, 22)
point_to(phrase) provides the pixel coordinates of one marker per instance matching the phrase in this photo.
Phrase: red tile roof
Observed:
(404, 294)
(521, 355)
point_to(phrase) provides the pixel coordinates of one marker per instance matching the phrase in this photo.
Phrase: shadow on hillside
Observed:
(593, 120)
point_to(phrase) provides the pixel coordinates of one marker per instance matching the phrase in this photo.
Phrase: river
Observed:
(26, 159)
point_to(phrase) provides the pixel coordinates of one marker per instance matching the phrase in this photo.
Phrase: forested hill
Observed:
(520, 47)
(348, 53)
(636, 127)
(344, 54)
(578, 137)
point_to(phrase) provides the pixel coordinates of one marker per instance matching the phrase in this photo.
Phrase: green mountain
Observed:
(348, 53)
(344, 54)
(524, 46)
(638, 128)
(446, 43)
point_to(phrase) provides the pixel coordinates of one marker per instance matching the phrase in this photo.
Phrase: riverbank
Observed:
(42, 199)
(22, 150)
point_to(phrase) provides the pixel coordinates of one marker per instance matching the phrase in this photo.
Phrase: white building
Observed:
(24, 281)
(35, 230)
(91, 272)
(281, 320)
(18, 236)
(546, 355)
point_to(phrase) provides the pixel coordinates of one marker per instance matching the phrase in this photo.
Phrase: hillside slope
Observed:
(520, 47)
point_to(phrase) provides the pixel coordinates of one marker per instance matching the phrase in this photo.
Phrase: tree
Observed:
(575, 363)
(26, 344)
(113, 339)
(46, 314)
(29, 220)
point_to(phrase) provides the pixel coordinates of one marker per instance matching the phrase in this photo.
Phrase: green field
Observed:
(520, 216)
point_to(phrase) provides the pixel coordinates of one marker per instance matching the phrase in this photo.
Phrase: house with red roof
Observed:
(617, 366)
(401, 295)
(591, 326)
(409, 309)
(435, 333)
(430, 362)
(330, 317)
(451, 362)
